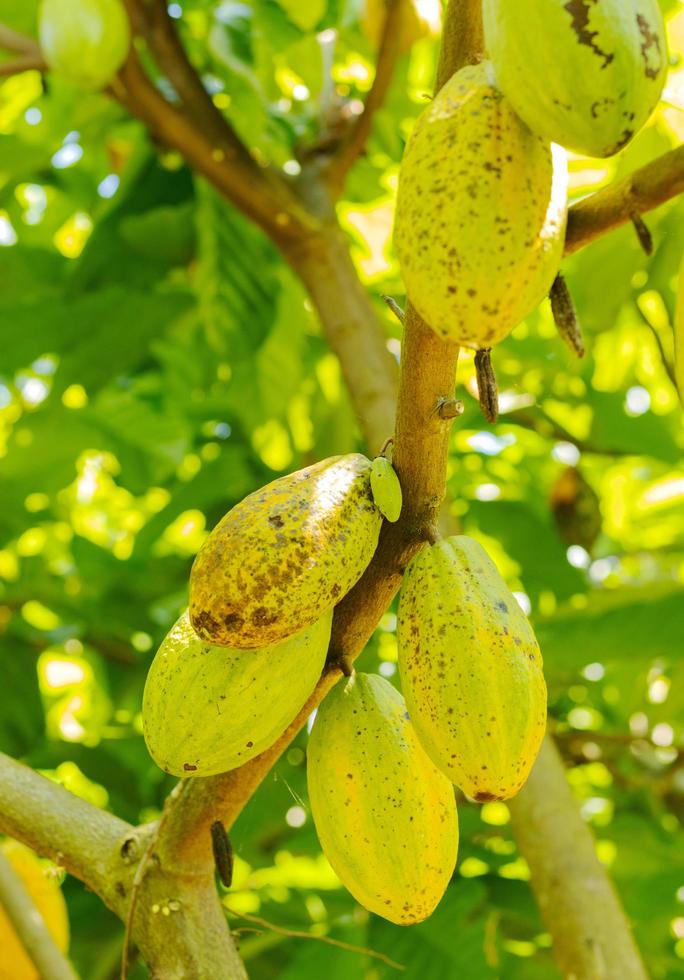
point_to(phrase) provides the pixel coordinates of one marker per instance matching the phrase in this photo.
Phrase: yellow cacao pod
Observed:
(209, 709)
(471, 669)
(419, 19)
(285, 554)
(85, 41)
(46, 894)
(481, 213)
(590, 75)
(385, 816)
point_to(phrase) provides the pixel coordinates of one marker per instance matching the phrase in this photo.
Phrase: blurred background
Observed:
(158, 361)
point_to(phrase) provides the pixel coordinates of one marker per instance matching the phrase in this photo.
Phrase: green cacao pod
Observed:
(585, 75)
(386, 489)
(209, 709)
(471, 669)
(384, 814)
(85, 41)
(481, 213)
(285, 554)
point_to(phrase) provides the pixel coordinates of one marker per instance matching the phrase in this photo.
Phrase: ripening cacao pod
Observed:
(47, 897)
(85, 41)
(386, 489)
(585, 75)
(384, 814)
(481, 213)
(471, 669)
(285, 554)
(209, 709)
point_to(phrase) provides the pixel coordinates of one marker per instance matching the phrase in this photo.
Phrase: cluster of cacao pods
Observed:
(482, 198)
(240, 665)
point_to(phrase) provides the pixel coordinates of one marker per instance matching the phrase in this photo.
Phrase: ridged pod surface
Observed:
(481, 213)
(285, 554)
(209, 709)
(580, 73)
(471, 669)
(85, 41)
(384, 814)
(48, 899)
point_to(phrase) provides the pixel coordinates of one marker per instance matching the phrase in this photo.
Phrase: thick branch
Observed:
(30, 927)
(388, 52)
(258, 193)
(151, 19)
(591, 938)
(615, 205)
(55, 823)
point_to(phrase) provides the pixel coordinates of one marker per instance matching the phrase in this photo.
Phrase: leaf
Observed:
(305, 16)
(679, 338)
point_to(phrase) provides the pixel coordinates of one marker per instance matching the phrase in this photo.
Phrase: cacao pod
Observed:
(585, 75)
(285, 554)
(47, 897)
(385, 815)
(481, 213)
(85, 41)
(209, 709)
(386, 489)
(471, 669)
(419, 19)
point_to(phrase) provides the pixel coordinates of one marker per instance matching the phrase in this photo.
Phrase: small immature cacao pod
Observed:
(84, 41)
(386, 489)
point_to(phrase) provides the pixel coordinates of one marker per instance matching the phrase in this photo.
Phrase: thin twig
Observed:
(668, 367)
(394, 307)
(645, 189)
(299, 934)
(12, 40)
(29, 62)
(390, 47)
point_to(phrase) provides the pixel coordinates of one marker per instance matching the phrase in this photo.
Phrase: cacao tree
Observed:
(205, 296)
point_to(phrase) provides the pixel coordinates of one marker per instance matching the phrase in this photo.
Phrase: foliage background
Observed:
(159, 361)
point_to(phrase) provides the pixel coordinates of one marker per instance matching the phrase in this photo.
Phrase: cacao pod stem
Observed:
(643, 233)
(565, 316)
(486, 384)
(223, 853)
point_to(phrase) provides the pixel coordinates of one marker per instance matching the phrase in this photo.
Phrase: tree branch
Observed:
(55, 823)
(151, 19)
(29, 62)
(354, 143)
(30, 926)
(12, 40)
(591, 938)
(645, 189)
(258, 193)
